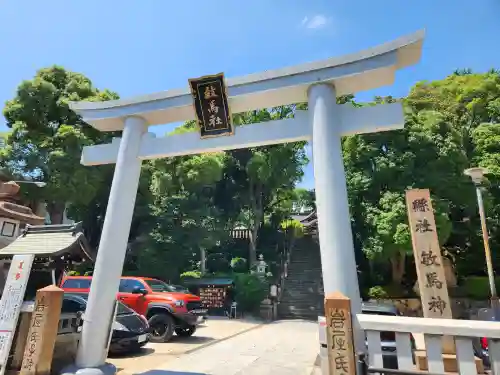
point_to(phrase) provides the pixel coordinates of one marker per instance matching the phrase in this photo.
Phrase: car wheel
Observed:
(161, 327)
(185, 332)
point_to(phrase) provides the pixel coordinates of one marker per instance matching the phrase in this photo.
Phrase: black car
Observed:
(130, 330)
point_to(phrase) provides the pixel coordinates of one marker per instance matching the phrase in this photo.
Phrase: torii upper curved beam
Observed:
(351, 73)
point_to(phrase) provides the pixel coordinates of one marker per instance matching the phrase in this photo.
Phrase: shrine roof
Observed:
(361, 71)
(209, 281)
(51, 241)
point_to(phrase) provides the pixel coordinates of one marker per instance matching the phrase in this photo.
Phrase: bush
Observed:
(73, 273)
(190, 275)
(377, 292)
(239, 265)
(478, 287)
(250, 291)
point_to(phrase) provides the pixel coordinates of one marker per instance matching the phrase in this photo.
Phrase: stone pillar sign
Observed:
(431, 274)
(341, 358)
(42, 334)
(429, 263)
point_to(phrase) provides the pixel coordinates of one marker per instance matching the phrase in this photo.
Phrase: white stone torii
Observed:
(318, 83)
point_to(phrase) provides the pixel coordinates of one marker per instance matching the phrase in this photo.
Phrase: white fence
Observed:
(467, 335)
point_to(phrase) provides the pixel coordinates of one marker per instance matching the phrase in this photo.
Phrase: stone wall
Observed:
(461, 307)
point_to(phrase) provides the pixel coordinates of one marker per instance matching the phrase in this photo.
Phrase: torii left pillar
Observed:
(92, 349)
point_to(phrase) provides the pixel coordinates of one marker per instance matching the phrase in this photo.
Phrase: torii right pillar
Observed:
(338, 262)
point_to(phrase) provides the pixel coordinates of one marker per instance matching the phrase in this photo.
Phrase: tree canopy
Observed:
(189, 206)
(47, 138)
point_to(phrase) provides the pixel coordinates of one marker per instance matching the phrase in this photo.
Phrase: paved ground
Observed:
(279, 348)
(154, 355)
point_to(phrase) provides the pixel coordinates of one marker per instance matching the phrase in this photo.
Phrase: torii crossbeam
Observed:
(324, 123)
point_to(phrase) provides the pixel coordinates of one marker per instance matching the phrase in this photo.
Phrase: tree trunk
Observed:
(252, 251)
(203, 261)
(255, 193)
(398, 267)
(56, 212)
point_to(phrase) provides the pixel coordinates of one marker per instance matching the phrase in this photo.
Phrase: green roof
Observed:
(50, 241)
(218, 281)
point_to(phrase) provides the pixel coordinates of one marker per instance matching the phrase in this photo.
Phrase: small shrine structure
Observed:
(56, 248)
(13, 215)
(310, 224)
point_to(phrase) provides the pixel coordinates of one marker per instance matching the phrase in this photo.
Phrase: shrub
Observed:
(239, 265)
(478, 287)
(190, 275)
(73, 273)
(218, 263)
(377, 292)
(250, 291)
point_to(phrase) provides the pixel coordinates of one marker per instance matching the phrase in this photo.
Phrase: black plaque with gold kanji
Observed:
(211, 105)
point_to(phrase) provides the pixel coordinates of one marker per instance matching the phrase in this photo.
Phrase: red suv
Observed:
(166, 311)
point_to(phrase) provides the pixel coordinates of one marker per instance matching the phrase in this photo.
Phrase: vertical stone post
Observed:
(42, 333)
(338, 262)
(20, 343)
(341, 358)
(430, 273)
(92, 351)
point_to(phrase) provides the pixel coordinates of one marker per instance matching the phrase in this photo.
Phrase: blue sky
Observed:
(138, 47)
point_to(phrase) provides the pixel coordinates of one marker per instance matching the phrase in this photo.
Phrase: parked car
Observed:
(178, 289)
(167, 312)
(387, 339)
(130, 330)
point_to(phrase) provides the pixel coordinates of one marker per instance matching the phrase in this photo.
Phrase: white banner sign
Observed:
(10, 304)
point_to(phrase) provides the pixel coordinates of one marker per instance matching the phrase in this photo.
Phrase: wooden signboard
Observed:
(211, 105)
(428, 260)
(10, 304)
(213, 297)
(339, 335)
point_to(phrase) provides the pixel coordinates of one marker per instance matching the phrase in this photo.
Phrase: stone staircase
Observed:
(302, 296)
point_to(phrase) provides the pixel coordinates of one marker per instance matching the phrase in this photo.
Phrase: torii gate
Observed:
(318, 83)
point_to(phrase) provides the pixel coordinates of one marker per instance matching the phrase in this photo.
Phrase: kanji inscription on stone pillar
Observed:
(339, 334)
(42, 334)
(428, 260)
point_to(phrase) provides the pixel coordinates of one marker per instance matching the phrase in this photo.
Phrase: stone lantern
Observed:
(261, 266)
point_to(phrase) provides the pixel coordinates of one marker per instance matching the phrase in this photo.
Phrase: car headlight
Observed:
(179, 303)
(119, 327)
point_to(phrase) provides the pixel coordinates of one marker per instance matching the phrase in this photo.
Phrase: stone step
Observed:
(301, 314)
(316, 287)
(301, 292)
(300, 308)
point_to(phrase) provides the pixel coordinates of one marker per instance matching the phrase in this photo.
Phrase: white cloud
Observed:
(316, 22)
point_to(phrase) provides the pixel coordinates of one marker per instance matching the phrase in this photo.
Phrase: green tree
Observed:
(186, 222)
(266, 173)
(47, 138)
(303, 200)
(441, 138)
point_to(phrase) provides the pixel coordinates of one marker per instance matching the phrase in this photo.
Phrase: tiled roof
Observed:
(49, 241)
(310, 223)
